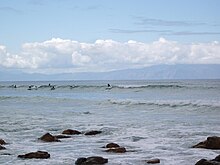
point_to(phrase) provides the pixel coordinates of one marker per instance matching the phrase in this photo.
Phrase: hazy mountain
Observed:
(183, 71)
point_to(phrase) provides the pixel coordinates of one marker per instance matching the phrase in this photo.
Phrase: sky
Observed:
(57, 36)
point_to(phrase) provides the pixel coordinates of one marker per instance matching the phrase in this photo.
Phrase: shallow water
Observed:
(152, 119)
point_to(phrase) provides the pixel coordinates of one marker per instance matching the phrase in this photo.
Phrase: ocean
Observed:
(151, 119)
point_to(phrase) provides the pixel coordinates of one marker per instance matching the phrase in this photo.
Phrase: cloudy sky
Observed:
(55, 36)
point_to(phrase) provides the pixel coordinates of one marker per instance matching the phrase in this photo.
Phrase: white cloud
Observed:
(12, 60)
(79, 59)
(66, 55)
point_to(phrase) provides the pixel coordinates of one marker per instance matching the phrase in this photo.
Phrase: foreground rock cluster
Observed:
(215, 161)
(210, 143)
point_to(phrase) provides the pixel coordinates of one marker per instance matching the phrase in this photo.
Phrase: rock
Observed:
(62, 136)
(49, 138)
(206, 162)
(117, 150)
(91, 160)
(80, 161)
(2, 148)
(35, 155)
(211, 143)
(2, 142)
(112, 145)
(215, 161)
(71, 132)
(93, 132)
(153, 161)
(217, 158)
(203, 162)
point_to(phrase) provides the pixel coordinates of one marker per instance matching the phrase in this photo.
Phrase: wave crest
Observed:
(168, 103)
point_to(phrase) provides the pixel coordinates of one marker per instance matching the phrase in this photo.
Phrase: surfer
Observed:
(108, 87)
(52, 88)
(29, 88)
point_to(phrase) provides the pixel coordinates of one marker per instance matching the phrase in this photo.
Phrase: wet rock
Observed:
(35, 155)
(49, 138)
(71, 132)
(206, 162)
(211, 143)
(215, 161)
(112, 145)
(153, 161)
(2, 148)
(217, 158)
(117, 150)
(62, 136)
(93, 132)
(91, 160)
(2, 142)
(203, 162)
(80, 161)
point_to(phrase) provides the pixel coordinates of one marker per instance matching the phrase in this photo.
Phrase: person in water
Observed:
(109, 85)
(29, 88)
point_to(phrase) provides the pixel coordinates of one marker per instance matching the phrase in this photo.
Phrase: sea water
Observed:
(151, 119)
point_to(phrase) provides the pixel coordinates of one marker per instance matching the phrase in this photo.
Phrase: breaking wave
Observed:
(150, 86)
(168, 103)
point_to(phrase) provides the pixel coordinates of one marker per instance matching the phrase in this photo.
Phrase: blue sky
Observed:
(179, 23)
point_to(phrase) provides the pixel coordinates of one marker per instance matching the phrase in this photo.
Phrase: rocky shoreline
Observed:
(212, 143)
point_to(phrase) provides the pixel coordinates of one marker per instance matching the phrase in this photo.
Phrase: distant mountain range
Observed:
(157, 72)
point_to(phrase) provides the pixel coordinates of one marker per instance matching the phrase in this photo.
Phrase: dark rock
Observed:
(93, 132)
(71, 132)
(202, 162)
(2, 142)
(153, 161)
(117, 150)
(35, 155)
(217, 158)
(112, 145)
(80, 161)
(62, 136)
(2, 148)
(215, 161)
(207, 162)
(49, 138)
(211, 143)
(91, 160)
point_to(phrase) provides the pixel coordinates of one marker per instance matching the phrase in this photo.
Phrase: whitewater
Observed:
(152, 119)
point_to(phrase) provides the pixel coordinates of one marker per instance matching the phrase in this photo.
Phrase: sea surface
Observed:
(152, 119)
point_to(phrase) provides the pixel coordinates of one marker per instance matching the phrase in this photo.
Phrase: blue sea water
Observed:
(152, 119)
